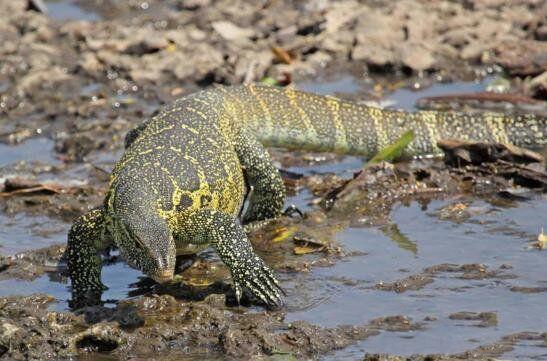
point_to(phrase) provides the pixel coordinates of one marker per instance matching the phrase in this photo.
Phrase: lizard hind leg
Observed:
(232, 245)
(268, 196)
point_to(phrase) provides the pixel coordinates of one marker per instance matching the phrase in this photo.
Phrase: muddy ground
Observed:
(199, 318)
(70, 88)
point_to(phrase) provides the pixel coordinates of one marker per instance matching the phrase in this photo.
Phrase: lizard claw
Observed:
(258, 278)
(239, 292)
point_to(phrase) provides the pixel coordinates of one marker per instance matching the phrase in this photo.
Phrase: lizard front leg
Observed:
(235, 250)
(86, 239)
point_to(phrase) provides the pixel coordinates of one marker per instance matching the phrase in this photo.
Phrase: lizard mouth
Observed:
(163, 276)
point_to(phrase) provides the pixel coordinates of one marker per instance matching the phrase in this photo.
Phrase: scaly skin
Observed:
(180, 184)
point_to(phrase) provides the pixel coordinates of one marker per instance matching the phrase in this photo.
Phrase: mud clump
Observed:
(523, 289)
(414, 282)
(161, 324)
(465, 271)
(395, 323)
(486, 319)
(472, 271)
(368, 198)
(481, 353)
(32, 264)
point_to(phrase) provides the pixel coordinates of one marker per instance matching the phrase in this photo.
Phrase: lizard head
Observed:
(147, 244)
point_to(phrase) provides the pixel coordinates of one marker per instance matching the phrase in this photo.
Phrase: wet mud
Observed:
(423, 259)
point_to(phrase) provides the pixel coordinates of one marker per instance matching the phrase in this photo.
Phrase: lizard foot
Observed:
(258, 278)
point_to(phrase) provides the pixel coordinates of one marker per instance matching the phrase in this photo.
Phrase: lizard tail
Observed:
(285, 117)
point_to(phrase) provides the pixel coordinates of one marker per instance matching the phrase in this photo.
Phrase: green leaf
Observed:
(394, 150)
(269, 81)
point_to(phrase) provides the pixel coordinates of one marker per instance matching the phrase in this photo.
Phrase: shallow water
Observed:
(69, 10)
(31, 150)
(437, 242)
(345, 293)
(401, 98)
(20, 233)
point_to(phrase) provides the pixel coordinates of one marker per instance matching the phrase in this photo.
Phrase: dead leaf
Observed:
(523, 175)
(283, 233)
(282, 54)
(15, 186)
(300, 250)
(458, 152)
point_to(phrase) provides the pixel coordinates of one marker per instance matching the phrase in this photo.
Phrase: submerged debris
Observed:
(462, 153)
(486, 319)
(523, 166)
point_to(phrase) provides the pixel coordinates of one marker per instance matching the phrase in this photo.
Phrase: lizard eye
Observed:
(138, 242)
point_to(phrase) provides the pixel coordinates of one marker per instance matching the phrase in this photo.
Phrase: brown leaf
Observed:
(282, 55)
